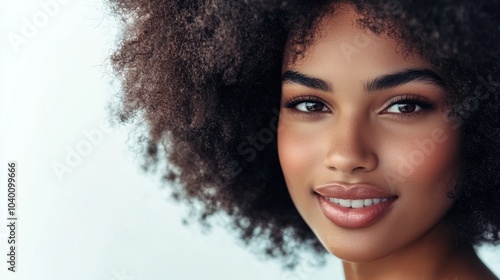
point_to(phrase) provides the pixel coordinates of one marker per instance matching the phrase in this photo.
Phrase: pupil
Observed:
(406, 108)
(313, 106)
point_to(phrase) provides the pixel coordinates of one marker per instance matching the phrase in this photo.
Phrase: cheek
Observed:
(300, 155)
(299, 150)
(427, 159)
(425, 167)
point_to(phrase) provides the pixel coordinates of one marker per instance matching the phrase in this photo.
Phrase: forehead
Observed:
(339, 42)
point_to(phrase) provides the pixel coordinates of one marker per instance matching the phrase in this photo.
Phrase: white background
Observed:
(103, 218)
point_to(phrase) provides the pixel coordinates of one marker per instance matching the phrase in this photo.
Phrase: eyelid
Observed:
(294, 101)
(425, 104)
(413, 98)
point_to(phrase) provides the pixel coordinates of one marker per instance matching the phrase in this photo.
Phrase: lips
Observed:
(354, 206)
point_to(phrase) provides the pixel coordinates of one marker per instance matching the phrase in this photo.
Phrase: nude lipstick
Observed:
(353, 206)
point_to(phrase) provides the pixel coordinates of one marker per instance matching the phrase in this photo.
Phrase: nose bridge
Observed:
(350, 146)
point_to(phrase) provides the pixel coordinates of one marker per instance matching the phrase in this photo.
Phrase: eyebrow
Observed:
(380, 83)
(294, 77)
(403, 77)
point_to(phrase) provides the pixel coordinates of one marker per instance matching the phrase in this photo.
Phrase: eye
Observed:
(405, 108)
(409, 106)
(306, 104)
(311, 106)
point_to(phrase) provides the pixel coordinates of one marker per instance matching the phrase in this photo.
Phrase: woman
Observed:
(365, 128)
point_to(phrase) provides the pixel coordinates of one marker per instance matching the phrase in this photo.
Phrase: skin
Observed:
(350, 135)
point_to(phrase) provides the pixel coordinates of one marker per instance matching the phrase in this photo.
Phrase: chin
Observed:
(359, 255)
(357, 251)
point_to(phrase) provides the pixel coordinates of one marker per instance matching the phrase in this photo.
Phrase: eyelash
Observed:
(423, 103)
(292, 103)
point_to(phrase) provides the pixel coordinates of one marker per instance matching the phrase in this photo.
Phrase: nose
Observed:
(350, 147)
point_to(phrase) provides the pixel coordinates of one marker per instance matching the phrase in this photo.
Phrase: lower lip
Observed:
(353, 217)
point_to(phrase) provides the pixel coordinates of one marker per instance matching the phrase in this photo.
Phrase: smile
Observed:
(354, 213)
(354, 205)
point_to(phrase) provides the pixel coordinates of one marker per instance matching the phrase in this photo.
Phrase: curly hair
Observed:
(204, 79)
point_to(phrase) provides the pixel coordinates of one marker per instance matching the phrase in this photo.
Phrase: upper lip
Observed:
(352, 191)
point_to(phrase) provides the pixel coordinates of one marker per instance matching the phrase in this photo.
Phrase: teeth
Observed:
(345, 202)
(357, 203)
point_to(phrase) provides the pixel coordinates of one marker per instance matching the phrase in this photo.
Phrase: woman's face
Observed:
(364, 141)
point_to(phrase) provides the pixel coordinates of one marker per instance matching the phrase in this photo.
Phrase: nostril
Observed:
(358, 168)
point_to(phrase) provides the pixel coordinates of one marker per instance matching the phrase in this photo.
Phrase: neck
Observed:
(435, 255)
